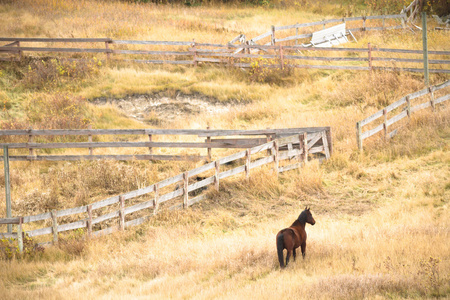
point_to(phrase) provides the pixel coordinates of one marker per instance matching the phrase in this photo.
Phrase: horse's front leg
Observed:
(303, 250)
(294, 253)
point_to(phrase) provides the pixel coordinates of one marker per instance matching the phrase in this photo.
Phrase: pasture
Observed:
(381, 216)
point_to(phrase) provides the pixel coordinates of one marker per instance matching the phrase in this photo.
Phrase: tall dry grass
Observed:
(382, 216)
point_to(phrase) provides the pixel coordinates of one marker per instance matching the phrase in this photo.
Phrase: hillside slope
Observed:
(382, 217)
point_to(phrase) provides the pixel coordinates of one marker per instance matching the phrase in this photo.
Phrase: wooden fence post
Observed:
(91, 150)
(268, 139)
(408, 106)
(431, 91)
(385, 122)
(300, 148)
(358, 136)
(121, 213)
(305, 148)
(247, 164)
(330, 141)
(89, 220)
(54, 226)
(325, 145)
(195, 53)
(185, 189)
(150, 149)
(108, 54)
(364, 23)
(272, 42)
(216, 175)
(7, 185)
(208, 140)
(296, 34)
(20, 51)
(276, 156)
(156, 200)
(30, 141)
(425, 48)
(281, 57)
(20, 235)
(370, 57)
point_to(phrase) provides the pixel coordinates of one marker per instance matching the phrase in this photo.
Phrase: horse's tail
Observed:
(280, 248)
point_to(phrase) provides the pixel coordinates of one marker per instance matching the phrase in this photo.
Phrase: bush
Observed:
(47, 73)
(61, 111)
(263, 70)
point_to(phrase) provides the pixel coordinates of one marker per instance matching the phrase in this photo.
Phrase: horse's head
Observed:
(308, 216)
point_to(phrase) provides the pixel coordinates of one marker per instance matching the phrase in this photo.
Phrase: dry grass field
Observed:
(382, 216)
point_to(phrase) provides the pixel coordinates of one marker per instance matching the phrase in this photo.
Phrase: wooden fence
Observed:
(242, 56)
(135, 207)
(402, 108)
(285, 33)
(208, 139)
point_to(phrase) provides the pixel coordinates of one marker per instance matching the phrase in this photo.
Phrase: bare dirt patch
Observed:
(159, 108)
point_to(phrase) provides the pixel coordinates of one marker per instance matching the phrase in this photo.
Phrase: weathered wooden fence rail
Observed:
(285, 153)
(401, 109)
(242, 55)
(212, 139)
(282, 34)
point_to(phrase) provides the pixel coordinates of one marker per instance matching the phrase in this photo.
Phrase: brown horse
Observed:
(293, 237)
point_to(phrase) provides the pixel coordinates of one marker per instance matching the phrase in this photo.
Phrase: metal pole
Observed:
(7, 186)
(425, 48)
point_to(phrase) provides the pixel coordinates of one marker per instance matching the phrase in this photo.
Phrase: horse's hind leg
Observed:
(288, 255)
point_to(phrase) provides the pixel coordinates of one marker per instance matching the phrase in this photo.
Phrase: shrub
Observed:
(5, 102)
(60, 111)
(48, 73)
(263, 70)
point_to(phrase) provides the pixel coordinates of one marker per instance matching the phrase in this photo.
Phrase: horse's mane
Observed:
(303, 216)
